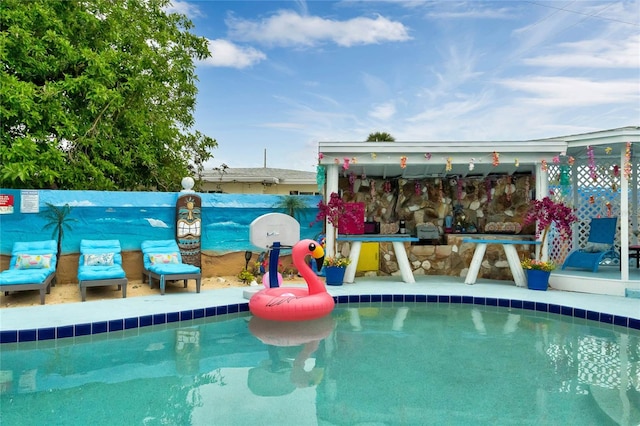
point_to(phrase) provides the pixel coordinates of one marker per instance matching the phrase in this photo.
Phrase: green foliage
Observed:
(246, 276)
(380, 137)
(98, 94)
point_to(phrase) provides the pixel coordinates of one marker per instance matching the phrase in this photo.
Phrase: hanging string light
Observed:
(403, 162)
(496, 159)
(627, 161)
(345, 164)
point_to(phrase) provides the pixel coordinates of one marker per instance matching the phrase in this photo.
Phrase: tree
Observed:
(380, 137)
(293, 206)
(98, 94)
(58, 219)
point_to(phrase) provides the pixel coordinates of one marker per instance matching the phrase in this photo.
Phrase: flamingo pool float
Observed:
(296, 304)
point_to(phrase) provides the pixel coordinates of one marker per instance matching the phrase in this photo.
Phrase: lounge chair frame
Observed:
(34, 247)
(163, 278)
(601, 231)
(120, 282)
(44, 287)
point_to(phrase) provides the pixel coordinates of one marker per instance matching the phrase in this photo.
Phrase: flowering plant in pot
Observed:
(338, 261)
(333, 212)
(545, 213)
(540, 265)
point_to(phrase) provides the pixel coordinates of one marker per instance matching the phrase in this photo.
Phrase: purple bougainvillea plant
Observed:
(547, 212)
(334, 211)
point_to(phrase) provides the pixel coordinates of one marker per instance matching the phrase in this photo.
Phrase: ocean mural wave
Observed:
(132, 217)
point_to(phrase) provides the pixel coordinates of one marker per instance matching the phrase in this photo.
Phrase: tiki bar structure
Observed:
(442, 195)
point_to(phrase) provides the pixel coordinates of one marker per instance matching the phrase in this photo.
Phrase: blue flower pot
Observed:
(537, 279)
(334, 275)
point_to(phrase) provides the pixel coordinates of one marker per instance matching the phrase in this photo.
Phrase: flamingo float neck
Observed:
(298, 254)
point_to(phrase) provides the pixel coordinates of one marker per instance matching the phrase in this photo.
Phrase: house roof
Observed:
(260, 175)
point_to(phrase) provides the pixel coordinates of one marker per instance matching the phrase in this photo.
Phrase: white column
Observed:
(332, 186)
(542, 190)
(624, 223)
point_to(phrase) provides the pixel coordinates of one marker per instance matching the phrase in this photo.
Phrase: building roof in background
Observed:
(260, 175)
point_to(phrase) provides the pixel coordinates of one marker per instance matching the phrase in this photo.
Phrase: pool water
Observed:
(379, 364)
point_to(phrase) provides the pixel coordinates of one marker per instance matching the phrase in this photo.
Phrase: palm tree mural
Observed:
(293, 206)
(380, 137)
(58, 219)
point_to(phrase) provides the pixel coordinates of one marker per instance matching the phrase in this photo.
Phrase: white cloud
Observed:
(572, 92)
(287, 28)
(183, 8)
(227, 54)
(597, 53)
(383, 111)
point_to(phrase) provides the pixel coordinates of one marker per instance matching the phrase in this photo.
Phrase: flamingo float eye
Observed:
(312, 246)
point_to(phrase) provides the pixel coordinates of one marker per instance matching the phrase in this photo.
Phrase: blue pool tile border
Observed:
(99, 327)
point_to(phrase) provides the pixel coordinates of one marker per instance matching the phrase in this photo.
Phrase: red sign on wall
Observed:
(6, 204)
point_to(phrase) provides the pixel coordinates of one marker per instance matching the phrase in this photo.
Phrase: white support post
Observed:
(332, 186)
(542, 190)
(624, 224)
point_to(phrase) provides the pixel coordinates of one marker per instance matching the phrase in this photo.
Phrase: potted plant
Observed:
(546, 213)
(333, 211)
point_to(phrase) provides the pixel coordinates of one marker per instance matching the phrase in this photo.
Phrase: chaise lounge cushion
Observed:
(17, 275)
(41, 254)
(100, 264)
(163, 262)
(173, 268)
(23, 276)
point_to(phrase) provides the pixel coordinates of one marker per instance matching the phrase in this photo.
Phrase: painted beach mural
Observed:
(132, 217)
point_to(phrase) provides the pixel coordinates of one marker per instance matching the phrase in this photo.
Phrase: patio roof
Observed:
(466, 158)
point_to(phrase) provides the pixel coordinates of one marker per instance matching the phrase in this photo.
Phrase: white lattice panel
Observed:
(593, 195)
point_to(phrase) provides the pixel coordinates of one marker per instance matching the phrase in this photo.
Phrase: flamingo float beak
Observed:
(318, 254)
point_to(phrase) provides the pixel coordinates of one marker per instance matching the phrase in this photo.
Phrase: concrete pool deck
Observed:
(47, 322)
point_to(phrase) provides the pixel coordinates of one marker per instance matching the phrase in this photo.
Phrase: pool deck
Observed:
(31, 323)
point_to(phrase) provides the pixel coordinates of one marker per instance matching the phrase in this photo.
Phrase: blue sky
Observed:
(286, 74)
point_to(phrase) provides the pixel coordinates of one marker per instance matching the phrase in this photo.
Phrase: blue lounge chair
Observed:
(32, 267)
(100, 264)
(602, 234)
(163, 262)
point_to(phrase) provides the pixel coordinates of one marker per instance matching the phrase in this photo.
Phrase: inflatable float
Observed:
(296, 304)
(269, 379)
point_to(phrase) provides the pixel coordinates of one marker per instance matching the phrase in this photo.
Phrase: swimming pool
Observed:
(373, 364)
